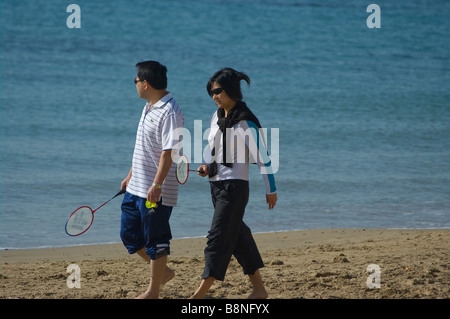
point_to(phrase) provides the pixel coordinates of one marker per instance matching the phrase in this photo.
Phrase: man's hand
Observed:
(154, 194)
(125, 182)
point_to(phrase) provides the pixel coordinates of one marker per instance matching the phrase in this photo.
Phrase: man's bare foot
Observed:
(168, 275)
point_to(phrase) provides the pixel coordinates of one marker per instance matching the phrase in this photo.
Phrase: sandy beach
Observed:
(307, 264)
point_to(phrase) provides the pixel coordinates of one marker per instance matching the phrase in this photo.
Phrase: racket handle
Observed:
(201, 171)
(122, 191)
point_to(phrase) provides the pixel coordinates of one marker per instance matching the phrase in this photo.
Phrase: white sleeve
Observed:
(171, 131)
(258, 151)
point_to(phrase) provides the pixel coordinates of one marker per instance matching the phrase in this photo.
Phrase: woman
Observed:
(233, 138)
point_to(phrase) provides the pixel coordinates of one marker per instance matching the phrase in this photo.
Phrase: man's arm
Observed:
(165, 162)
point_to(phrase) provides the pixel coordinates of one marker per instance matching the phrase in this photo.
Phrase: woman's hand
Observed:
(202, 170)
(271, 199)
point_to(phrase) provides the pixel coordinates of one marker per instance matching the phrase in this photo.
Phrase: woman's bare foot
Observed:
(258, 294)
(146, 295)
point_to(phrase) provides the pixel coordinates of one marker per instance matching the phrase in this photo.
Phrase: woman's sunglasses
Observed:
(216, 91)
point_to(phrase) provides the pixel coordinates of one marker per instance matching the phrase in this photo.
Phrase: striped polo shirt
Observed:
(156, 133)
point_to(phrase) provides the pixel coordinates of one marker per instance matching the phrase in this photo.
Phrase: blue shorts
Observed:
(145, 227)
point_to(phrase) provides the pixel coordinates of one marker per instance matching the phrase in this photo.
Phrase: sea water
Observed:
(362, 113)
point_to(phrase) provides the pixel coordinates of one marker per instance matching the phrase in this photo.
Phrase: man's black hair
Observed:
(154, 73)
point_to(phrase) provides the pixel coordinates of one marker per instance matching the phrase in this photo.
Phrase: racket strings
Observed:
(182, 170)
(79, 221)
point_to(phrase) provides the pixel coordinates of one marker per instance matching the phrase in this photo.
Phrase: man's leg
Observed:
(168, 272)
(158, 235)
(157, 269)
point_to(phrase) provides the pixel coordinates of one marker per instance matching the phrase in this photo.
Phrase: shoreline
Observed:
(311, 264)
(204, 236)
(112, 250)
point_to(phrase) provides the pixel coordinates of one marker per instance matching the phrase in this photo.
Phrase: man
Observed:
(146, 231)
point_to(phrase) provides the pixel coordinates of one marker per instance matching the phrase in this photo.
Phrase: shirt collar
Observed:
(163, 101)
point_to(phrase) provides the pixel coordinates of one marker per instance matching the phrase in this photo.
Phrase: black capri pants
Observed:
(229, 235)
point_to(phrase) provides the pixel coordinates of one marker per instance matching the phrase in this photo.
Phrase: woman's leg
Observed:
(259, 291)
(247, 254)
(230, 199)
(201, 291)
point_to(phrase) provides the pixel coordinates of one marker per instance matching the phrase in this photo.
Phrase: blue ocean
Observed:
(361, 112)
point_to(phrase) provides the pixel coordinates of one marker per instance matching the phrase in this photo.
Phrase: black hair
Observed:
(154, 73)
(230, 81)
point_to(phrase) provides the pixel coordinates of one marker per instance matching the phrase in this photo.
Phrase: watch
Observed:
(156, 185)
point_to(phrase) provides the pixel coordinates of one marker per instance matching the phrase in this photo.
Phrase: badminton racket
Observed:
(182, 170)
(83, 217)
